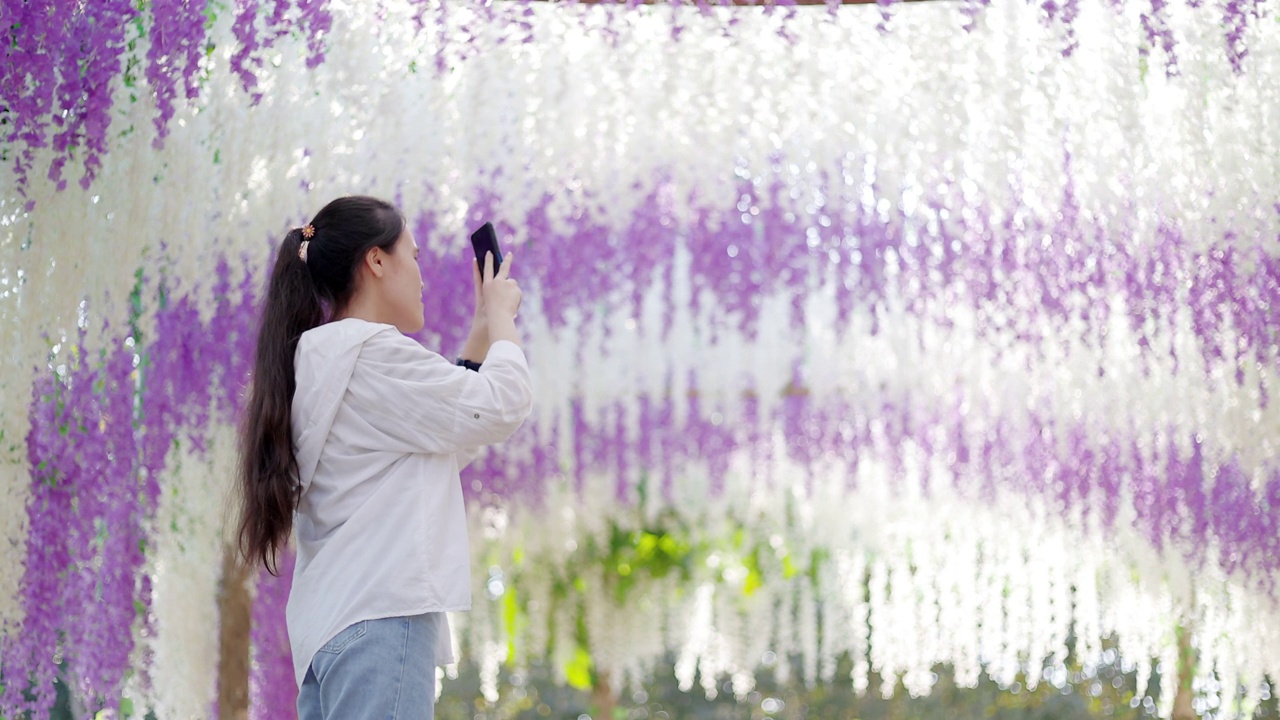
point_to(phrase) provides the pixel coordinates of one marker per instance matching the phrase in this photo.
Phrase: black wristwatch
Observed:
(469, 365)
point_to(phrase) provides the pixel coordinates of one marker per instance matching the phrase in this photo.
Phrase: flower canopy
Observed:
(914, 334)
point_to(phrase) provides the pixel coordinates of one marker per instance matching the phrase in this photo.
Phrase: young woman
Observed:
(352, 440)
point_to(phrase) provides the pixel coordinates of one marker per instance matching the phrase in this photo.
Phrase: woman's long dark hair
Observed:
(301, 295)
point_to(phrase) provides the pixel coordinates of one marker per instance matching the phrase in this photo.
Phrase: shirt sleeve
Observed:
(417, 401)
(466, 456)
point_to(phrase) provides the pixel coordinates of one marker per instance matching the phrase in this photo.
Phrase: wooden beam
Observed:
(235, 617)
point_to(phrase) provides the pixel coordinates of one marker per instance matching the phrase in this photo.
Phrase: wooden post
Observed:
(1182, 709)
(602, 698)
(234, 608)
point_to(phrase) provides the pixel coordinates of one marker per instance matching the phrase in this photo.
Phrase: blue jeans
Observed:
(374, 670)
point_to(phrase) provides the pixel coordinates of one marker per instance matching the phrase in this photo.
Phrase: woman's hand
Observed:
(501, 299)
(477, 345)
(500, 295)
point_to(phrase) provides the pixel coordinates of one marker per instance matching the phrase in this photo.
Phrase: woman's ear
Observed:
(375, 261)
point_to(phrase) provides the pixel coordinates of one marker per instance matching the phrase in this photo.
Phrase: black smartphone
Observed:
(486, 240)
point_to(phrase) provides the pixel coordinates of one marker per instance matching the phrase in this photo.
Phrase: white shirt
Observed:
(381, 427)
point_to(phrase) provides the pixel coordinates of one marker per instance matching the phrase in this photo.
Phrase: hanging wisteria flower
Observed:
(798, 328)
(29, 83)
(92, 42)
(30, 653)
(65, 60)
(272, 688)
(177, 41)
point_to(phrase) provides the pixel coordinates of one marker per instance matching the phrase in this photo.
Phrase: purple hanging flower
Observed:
(80, 590)
(316, 21)
(273, 693)
(1156, 26)
(253, 41)
(31, 652)
(1236, 18)
(177, 38)
(110, 558)
(27, 87)
(89, 60)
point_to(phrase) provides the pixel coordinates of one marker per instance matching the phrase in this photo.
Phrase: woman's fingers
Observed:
(505, 270)
(476, 281)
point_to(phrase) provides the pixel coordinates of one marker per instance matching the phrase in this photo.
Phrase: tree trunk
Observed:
(602, 698)
(234, 606)
(1182, 709)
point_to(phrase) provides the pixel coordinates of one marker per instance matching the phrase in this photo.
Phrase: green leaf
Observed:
(671, 547)
(788, 568)
(754, 578)
(816, 559)
(647, 546)
(510, 618)
(577, 672)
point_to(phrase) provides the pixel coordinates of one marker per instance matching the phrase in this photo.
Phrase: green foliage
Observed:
(635, 555)
(136, 306)
(578, 671)
(531, 694)
(650, 553)
(511, 619)
(1107, 692)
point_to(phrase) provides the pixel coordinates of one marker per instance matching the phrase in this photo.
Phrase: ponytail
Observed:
(303, 286)
(268, 468)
